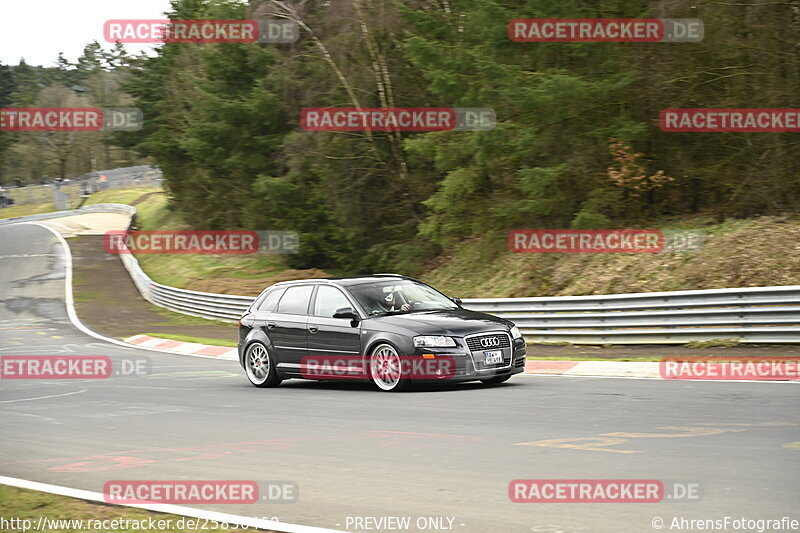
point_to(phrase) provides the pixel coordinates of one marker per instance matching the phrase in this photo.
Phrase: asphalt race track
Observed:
(354, 452)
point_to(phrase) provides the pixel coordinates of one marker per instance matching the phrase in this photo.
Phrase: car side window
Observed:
(270, 302)
(328, 300)
(295, 300)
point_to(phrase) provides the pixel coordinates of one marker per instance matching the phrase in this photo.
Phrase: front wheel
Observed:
(386, 369)
(496, 380)
(259, 366)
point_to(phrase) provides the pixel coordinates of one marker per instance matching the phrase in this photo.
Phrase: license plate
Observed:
(494, 357)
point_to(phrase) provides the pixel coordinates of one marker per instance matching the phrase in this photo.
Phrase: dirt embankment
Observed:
(108, 302)
(757, 252)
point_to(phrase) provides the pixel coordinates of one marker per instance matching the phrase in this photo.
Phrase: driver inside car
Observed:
(393, 301)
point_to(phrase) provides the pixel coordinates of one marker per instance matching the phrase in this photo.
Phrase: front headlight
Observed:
(516, 333)
(433, 341)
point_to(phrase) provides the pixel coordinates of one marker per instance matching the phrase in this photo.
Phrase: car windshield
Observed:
(399, 296)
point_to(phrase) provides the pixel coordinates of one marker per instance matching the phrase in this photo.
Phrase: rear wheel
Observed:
(386, 369)
(259, 366)
(496, 380)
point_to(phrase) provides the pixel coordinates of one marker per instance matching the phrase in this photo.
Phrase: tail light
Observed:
(247, 320)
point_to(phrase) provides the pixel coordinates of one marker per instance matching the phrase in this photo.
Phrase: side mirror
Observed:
(456, 301)
(346, 312)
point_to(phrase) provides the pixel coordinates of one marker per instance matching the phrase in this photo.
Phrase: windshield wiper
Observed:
(388, 313)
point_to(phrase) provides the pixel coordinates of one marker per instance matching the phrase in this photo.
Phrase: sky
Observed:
(39, 29)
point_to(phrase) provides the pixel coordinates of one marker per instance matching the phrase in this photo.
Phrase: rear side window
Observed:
(270, 302)
(295, 300)
(329, 299)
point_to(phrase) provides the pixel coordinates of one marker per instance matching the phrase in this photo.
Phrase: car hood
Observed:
(452, 322)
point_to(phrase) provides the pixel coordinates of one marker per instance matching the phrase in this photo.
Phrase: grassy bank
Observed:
(738, 253)
(30, 505)
(116, 196)
(227, 274)
(25, 210)
(121, 196)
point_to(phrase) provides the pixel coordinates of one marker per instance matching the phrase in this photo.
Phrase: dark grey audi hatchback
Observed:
(389, 329)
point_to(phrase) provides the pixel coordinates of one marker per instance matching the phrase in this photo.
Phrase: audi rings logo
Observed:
(488, 342)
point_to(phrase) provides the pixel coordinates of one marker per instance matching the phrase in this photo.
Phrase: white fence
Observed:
(67, 195)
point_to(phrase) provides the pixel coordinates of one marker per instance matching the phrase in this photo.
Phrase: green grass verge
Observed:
(154, 212)
(735, 253)
(85, 296)
(178, 270)
(119, 196)
(116, 196)
(189, 338)
(30, 505)
(25, 210)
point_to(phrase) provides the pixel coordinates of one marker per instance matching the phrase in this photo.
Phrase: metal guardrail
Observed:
(749, 315)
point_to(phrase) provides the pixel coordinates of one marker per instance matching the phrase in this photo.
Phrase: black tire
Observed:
(496, 380)
(256, 357)
(384, 376)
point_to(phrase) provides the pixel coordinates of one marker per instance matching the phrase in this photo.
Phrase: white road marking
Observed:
(31, 415)
(45, 397)
(70, 303)
(15, 256)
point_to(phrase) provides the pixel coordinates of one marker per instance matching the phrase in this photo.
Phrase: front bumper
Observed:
(466, 367)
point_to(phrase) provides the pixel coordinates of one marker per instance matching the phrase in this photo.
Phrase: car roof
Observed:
(346, 281)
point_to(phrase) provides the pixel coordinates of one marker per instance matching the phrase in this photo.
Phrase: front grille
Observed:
(502, 343)
(474, 343)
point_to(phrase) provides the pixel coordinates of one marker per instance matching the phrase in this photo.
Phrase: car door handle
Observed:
(270, 325)
(313, 329)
